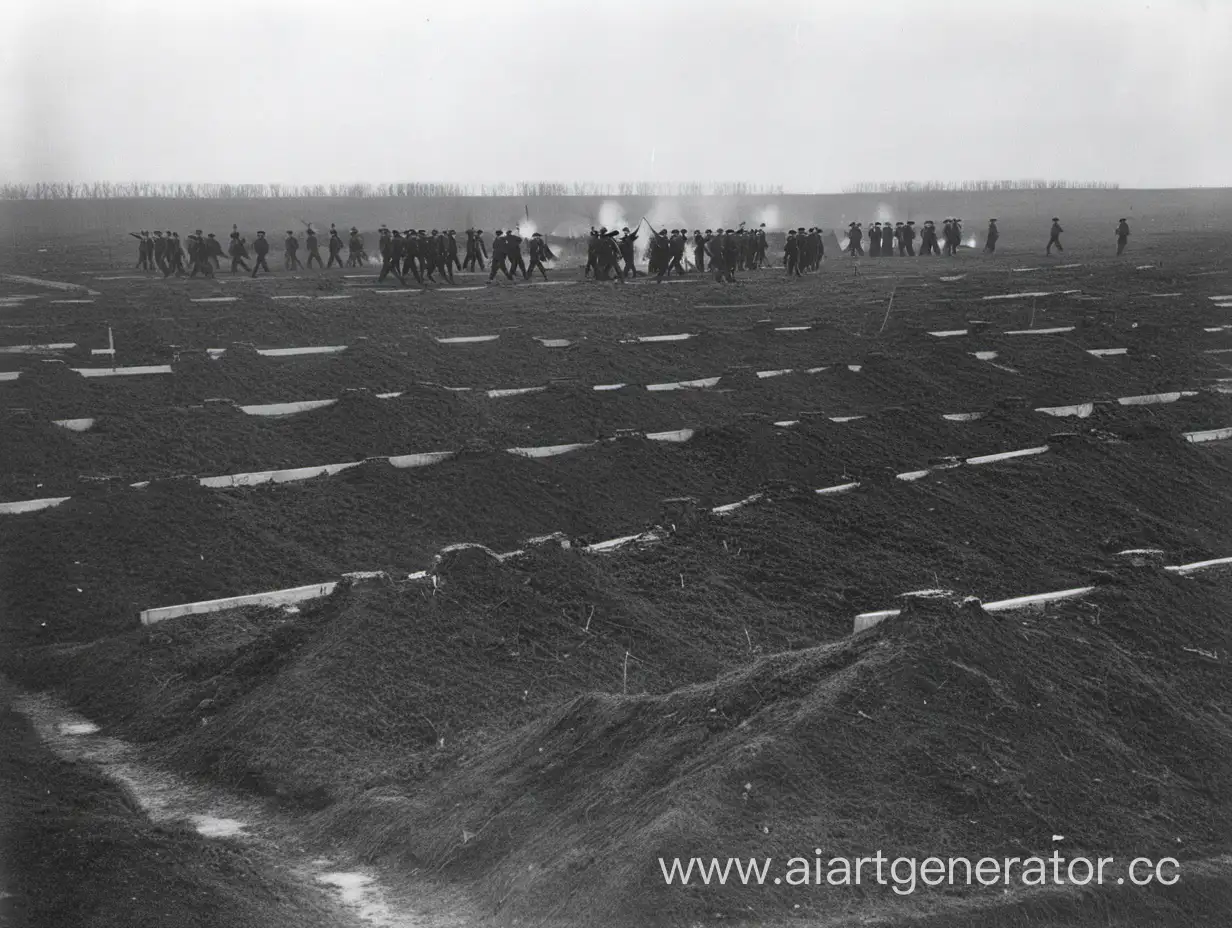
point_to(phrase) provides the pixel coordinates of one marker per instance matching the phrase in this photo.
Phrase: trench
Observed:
(360, 896)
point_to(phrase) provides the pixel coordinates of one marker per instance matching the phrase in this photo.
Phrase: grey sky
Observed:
(808, 95)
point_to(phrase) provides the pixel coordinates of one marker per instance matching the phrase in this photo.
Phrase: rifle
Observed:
(136, 236)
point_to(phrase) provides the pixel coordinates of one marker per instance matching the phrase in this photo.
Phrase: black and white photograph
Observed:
(563, 464)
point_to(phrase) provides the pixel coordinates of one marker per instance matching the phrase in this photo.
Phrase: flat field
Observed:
(585, 714)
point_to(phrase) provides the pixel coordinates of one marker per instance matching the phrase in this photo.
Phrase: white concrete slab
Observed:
(30, 505)
(292, 352)
(1038, 599)
(609, 386)
(70, 301)
(1209, 435)
(123, 371)
(845, 418)
(866, 620)
(48, 348)
(765, 375)
(1106, 352)
(962, 416)
(949, 333)
(423, 459)
(297, 594)
(1056, 331)
(1018, 296)
(1006, 455)
(498, 394)
(840, 488)
(683, 336)
(1200, 565)
(793, 328)
(985, 355)
(285, 409)
(75, 425)
(554, 342)
(53, 284)
(912, 475)
(213, 299)
(700, 384)
(9, 375)
(548, 451)
(256, 478)
(1152, 399)
(732, 507)
(676, 435)
(1080, 410)
(466, 339)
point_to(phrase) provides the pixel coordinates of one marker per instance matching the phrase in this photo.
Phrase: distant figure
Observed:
(335, 248)
(314, 250)
(1122, 236)
(1054, 236)
(887, 241)
(854, 235)
(627, 239)
(513, 251)
(355, 249)
(498, 257)
(238, 252)
(539, 252)
(290, 256)
(791, 254)
(213, 250)
(990, 244)
(874, 240)
(909, 237)
(260, 248)
(392, 261)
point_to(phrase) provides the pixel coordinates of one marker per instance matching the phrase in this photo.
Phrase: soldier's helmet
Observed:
(1055, 219)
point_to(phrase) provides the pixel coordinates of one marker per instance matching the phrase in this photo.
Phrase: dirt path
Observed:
(358, 894)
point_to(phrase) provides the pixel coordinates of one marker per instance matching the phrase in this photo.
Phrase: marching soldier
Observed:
(314, 250)
(874, 240)
(498, 257)
(335, 247)
(290, 254)
(513, 248)
(238, 252)
(909, 237)
(392, 259)
(539, 252)
(355, 248)
(627, 239)
(260, 248)
(791, 254)
(1054, 236)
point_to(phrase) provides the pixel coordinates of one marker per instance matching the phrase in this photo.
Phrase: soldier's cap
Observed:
(910, 222)
(397, 233)
(353, 229)
(156, 232)
(1119, 220)
(536, 235)
(731, 232)
(260, 233)
(791, 231)
(479, 231)
(198, 231)
(211, 235)
(762, 226)
(993, 220)
(710, 232)
(434, 232)
(602, 229)
(1055, 219)
(289, 232)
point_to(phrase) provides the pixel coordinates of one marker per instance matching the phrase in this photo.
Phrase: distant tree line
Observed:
(105, 190)
(975, 186)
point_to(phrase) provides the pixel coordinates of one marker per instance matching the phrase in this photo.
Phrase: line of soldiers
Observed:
(611, 254)
(803, 250)
(167, 253)
(884, 239)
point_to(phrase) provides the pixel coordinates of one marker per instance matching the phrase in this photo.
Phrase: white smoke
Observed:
(612, 216)
(843, 244)
(770, 216)
(884, 212)
(527, 227)
(970, 243)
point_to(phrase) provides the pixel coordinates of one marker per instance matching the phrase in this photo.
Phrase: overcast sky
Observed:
(809, 95)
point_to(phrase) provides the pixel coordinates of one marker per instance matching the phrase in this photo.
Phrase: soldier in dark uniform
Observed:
(513, 248)
(762, 246)
(898, 240)
(412, 247)
(909, 237)
(1122, 234)
(1054, 236)
(498, 257)
(355, 248)
(887, 241)
(314, 250)
(446, 254)
(675, 252)
(481, 250)
(335, 248)
(392, 262)
(874, 240)
(791, 253)
(853, 240)
(290, 252)
(451, 242)
(627, 239)
(946, 236)
(468, 263)
(990, 243)
(539, 252)
(160, 251)
(592, 252)
(260, 248)
(175, 256)
(656, 252)
(699, 250)
(238, 252)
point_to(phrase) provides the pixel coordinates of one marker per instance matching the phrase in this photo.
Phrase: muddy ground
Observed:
(436, 701)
